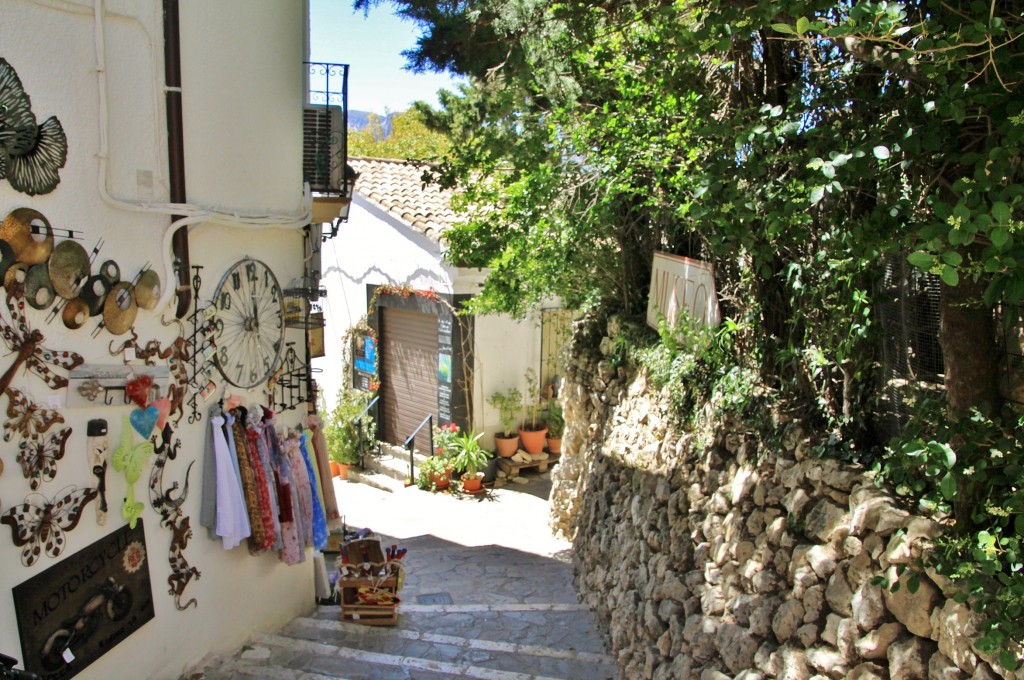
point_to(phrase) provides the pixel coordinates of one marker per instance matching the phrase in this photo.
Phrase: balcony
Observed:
(325, 142)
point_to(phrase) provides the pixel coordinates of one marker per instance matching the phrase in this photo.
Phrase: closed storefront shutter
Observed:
(408, 373)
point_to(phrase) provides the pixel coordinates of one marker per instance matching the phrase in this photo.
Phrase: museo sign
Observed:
(681, 284)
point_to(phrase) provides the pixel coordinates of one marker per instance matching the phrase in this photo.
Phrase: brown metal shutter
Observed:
(408, 373)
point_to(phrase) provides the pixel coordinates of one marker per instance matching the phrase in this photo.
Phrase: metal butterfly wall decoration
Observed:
(38, 524)
(38, 456)
(26, 418)
(30, 153)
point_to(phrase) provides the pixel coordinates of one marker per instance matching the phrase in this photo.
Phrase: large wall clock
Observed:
(249, 323)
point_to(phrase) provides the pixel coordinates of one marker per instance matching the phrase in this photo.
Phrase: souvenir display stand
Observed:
(369, 579)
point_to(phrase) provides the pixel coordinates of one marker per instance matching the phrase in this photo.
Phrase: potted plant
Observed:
(533, 432)
(508, 404)
(556, 425)
(434, 473)
(470, 458)
(343, 433)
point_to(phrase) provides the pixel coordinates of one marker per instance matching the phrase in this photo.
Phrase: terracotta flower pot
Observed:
(533, 440)
(554, 444)
(506, 446)
(473, 484)
(343, 469)
(440, 481)
(335, 469)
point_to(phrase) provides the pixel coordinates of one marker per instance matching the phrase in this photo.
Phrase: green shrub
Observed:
(340, 428)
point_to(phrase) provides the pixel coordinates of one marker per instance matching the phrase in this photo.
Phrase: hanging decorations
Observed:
(177, 354)
(96, 450)
(38, 524)
(38, 456)
(168, 505)
(33, 153)
(129, 459)
(27, 418)
(27, 343)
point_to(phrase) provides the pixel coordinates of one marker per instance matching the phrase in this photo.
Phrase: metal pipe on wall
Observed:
(176, 151)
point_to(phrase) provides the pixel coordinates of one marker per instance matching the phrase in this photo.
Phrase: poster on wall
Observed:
(79, 609)
(364, 362)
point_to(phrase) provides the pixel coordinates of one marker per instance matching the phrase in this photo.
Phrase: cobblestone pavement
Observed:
(487, 594)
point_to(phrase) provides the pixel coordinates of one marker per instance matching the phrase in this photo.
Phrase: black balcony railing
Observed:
(325, 126)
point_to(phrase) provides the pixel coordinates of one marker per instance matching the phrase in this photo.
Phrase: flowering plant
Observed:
(445, 437)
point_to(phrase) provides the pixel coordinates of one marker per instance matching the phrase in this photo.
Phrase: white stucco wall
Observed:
(242, 72)
(374, 248)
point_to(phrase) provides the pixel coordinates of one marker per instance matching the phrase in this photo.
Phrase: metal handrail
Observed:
(410, 444)
(358, 422)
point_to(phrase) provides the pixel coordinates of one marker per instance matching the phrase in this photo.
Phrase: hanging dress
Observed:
(319, 520)
(232, 521)
(303, 509)
(323, 466)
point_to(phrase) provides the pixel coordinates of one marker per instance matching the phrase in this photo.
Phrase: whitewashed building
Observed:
(104, 69)
(387, 280)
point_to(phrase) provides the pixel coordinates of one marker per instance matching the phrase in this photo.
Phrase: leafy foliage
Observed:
(973, 466)
(406, 138)
(341, 430)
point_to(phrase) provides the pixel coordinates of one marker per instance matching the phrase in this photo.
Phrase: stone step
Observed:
(376, 479)
(560, 626)
(337, 649)
(392, 461)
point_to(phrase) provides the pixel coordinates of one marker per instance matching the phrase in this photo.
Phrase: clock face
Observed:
(249, 323)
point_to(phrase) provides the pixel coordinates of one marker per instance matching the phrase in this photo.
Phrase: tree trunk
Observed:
(969, 349)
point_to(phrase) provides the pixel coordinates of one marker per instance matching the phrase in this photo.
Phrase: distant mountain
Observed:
(357, 120)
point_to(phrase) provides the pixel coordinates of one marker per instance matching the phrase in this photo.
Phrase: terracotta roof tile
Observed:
(397, 188)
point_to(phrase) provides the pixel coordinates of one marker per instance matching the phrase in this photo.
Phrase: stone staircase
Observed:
(387, 470)
(508, 615)
(321, 647)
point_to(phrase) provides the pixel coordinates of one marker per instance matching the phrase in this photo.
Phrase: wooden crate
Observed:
(370, 615)
(352, 608)
(356, 611)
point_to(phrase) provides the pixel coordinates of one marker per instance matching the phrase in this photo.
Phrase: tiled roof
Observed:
(397, 188)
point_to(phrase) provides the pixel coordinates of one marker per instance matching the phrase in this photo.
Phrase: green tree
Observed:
(784, 141)
(407, 138)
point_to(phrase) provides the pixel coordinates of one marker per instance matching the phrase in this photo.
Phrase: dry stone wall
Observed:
(730, 558)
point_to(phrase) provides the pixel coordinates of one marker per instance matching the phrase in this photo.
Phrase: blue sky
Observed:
(372, 46)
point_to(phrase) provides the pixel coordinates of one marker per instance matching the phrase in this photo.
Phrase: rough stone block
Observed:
(908, 658)
(793, 665)
(868, 606)
(824, 519)
(826, 660)
(953, 626)
(838, 594)
(867, 671)
(913, 610)
(807, 635)
(787, 619)
(736, 646)
(941, 668)
(875, 644)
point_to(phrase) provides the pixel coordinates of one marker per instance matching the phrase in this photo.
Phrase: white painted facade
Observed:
(375, 248)
(242, 92)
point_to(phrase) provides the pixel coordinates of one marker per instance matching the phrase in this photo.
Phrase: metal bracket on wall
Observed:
(293, 379)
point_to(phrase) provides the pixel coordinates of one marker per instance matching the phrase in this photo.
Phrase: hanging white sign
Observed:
(681, 284)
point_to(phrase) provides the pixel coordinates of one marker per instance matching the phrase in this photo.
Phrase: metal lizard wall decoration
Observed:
(169, 507)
